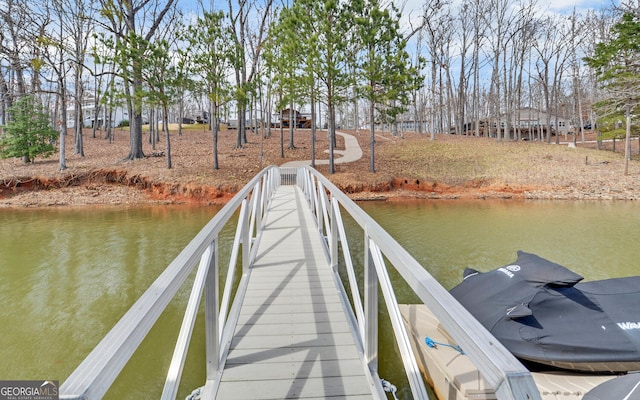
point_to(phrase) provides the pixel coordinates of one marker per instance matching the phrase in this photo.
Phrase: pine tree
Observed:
(617, 65)
(209, 55)
(384, 64)
(28, 133)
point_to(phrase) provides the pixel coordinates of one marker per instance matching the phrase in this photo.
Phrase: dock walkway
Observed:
(286, 325)
(292, 339)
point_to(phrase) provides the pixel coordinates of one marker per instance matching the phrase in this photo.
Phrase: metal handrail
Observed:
(503, 372)
(97, 372)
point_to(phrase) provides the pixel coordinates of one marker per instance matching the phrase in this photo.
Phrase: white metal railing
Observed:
(503, 372)
(288, 175)
(97, 372)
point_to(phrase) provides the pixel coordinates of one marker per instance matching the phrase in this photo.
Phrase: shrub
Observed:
(28, 133)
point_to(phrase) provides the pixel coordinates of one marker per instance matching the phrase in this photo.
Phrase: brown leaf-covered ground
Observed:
(407, 165)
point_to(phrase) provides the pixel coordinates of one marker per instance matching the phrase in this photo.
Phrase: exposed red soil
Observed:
(102, 176)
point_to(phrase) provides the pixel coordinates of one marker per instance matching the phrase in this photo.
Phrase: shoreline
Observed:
(410, 166)
(101, 193)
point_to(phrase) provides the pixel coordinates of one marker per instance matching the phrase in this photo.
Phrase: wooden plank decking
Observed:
(292, 339)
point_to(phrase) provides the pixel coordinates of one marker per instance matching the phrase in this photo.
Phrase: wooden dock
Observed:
(292, 339)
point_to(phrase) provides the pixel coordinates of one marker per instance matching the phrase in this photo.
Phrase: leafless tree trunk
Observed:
(436, 19)
(576, 36)
(548, 48)
(479, 30)
(4, 99)
(465, 19)
(246, 70)
(15, 34)
(292, 124)
(498, 18)
(81, 30)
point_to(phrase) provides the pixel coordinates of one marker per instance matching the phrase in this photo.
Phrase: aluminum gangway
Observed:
(286, 325)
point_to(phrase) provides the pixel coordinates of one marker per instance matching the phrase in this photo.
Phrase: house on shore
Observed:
(529, 119)
(117, 116)
(300, 120)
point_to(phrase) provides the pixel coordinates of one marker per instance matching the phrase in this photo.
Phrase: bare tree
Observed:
(5, 98)
(74, 30)
(80, 27)
(14, 16)
(246, 57)
(500, 18)
(478, 9)
(596, 31)
(133, 24)
(516, 50)
(546, 50)
(437, 31)
(464, 19)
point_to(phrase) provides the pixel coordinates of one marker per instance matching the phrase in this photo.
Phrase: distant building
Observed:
(196, 117)
(302, 121)
(531, 118)
(118, 114)
(250, 124)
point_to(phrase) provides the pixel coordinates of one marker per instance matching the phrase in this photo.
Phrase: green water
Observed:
(67, 276)
(599, 240)
(596, 239)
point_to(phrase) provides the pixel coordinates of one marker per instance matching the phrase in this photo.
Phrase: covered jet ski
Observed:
(544, 314)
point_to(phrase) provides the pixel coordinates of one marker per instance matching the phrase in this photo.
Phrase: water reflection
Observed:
(67, 276)
(596, 239)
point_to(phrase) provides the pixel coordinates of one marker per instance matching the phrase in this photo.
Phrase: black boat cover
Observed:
(543, 313)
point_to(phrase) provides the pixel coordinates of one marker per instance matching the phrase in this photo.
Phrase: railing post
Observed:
(231, 270)
(370, 307)
(212, 314)
(308, 188)
(416, 383)
(205, 274)
(246, 237)
(264, 192)
(300, 181)
(269, 184)
(277, 179)
(274, 180)
(353, 280)
(319, 211)
(255, 205)
(333, 244)
(311, 191)
(326, 210)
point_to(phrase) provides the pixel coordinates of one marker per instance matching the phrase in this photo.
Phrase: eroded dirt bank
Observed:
(119, 187)
(450, 167)
(106, 187)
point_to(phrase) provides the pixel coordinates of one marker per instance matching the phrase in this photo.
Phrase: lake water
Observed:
(599, 240)
(67, 276)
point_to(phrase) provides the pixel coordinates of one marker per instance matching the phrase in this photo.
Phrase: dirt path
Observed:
(352, 152)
